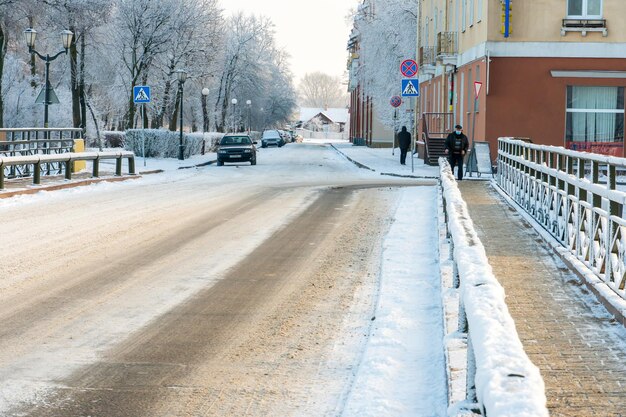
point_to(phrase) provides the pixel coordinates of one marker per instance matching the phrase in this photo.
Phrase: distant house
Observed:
(323, 120)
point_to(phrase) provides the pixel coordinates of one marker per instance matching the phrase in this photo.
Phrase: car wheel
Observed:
(263, 146)
(220, 163)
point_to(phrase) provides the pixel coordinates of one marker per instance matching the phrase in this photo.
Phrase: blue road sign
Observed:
(408, 68)
(410, 88)
(141, 94)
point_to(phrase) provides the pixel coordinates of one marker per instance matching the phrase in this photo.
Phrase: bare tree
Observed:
(322, 90)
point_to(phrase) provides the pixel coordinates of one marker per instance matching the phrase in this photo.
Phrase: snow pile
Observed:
(507, 383)
(402, 372)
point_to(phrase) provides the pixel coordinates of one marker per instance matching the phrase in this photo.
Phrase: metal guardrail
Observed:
(67, 159)
(37, 141)
(500, 376)
(563, 191)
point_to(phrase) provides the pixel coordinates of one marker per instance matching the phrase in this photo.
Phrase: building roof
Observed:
(336, 115)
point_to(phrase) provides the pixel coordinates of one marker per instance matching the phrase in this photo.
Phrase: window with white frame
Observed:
(471, 12)
(479, 11)
(584, 9)
(595, 114)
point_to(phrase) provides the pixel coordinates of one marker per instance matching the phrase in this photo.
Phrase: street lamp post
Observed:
(234, 101)
(182, 76)
(30, 35)
(205, 117)
(248, 103)
(205, 120)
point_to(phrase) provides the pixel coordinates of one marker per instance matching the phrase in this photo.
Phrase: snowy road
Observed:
(233, 290)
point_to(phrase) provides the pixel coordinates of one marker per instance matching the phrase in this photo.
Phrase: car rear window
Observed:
(235, 140)
(271, 135)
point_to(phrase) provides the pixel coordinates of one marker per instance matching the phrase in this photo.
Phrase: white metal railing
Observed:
(574, 196)
(500, 376)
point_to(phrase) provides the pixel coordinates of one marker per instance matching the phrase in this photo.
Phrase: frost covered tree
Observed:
(387, 31)
(322, 90)
(142, 31)
(119, 44)
(81, 17)
(253, 68)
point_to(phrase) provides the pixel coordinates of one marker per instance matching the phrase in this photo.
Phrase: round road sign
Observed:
(395, 101)
(408, 68)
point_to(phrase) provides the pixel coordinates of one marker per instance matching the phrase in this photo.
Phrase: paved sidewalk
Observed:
(579, 348)
(381, 160)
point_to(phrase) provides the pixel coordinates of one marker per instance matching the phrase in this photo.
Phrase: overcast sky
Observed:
(315, 33)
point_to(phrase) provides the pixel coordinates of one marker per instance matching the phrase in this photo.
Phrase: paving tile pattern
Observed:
(579, 348)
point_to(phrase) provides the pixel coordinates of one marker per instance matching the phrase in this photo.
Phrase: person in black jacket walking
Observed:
(404, 141)
(456, 148)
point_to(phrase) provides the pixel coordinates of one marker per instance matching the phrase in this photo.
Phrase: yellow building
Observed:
(549, 70)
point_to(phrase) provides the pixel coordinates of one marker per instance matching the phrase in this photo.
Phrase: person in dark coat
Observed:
(404, 141)
(456, 148)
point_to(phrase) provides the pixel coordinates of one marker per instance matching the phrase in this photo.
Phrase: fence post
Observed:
(471, 372)
(68, 169)
(131, 165)
(1, 175)
(96, 167)
(118, 166)
(37, 173)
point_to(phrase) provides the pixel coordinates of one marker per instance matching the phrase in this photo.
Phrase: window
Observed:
(479, 11)
(463, 14)
(471, 12)
(594, 114)
(584, 9)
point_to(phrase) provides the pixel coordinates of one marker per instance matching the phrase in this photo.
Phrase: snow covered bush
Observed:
(112, 139)
(159, 143)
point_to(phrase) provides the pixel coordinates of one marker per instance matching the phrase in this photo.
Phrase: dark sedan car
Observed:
(236, 148)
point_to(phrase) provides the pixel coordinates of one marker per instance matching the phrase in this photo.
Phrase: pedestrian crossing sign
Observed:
(410, 87)
(141, 94)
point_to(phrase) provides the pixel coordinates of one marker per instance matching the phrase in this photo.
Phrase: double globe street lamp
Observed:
(30, 35)
(182, 77)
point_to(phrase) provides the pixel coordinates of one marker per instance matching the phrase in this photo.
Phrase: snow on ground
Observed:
(403, 369)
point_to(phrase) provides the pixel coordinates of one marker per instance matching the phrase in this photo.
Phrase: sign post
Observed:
(410, 88)
(395, 102)
(141, 95)
(477, 86)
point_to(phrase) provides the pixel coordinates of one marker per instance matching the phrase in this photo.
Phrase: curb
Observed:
(391, 174)
(73, 184)
(360, 165)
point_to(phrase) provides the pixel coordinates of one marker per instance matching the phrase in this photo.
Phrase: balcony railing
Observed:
(446, 44)
(427, 55)
(583, 26)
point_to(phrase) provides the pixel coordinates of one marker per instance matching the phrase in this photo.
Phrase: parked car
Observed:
(236, 148)
(271, 137)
